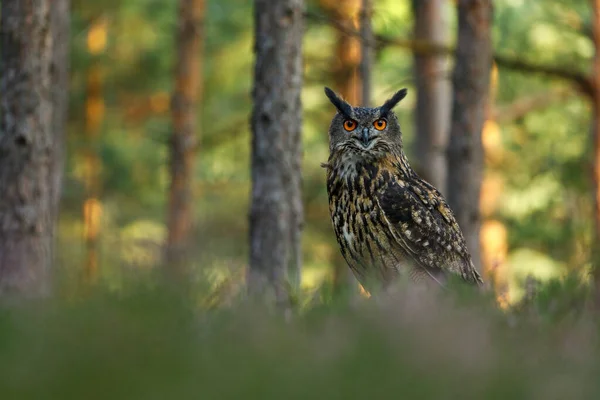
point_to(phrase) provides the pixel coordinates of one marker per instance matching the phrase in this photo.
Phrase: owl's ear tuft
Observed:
(393, 101)
(342, 106)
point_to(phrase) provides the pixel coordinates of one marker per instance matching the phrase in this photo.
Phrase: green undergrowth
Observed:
(149, 342)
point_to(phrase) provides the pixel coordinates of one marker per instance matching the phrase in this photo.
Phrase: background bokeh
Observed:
(538, 153)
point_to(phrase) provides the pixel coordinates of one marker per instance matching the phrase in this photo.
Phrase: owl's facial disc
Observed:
(366, 134)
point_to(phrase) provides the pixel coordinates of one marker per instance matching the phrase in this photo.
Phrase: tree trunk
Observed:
(27, 212)
(367, 45)
(346, 67)
(596, 141)
(493, 233)
(349, 68)
(94, 117)
(471, 80)
(187, 92)
(276, 205)
(432, 116)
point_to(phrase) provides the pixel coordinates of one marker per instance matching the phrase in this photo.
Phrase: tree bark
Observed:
(27, 212)
(471, 80)
(187, 93)
(349, 69)
(493, 232)
(346, 72)
(432, 116)
(276, 206)
(367, 45)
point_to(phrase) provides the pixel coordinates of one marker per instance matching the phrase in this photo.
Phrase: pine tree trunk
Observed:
(432, 116)
(276, 205)
(349, 68)
(346, 66)
(471, 80)
(367, 45)
(493, 232)
(94, 118)
(27, 212)
(188, 82)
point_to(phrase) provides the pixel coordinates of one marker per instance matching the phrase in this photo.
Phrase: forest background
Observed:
(537, 193)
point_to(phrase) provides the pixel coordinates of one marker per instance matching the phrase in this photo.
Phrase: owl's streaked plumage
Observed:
(387, 220)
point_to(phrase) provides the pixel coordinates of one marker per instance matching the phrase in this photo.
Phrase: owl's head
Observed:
(363, 130)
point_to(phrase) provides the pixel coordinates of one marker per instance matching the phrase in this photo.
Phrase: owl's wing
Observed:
(424, 226)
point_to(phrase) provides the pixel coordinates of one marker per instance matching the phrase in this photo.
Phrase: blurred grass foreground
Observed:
(149, 343)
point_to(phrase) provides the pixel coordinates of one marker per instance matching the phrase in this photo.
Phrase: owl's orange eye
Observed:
(380, 124)
(349, 125)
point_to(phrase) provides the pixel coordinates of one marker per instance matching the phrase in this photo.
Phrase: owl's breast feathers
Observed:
(387, 218)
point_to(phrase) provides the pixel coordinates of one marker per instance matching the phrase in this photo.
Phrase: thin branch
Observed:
(522, 106)
(583, 82)
(580, 79)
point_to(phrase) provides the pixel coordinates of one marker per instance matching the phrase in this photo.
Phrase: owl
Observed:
(387, 220)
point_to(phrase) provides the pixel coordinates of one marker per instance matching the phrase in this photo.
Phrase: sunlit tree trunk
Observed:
(432, 114)
(494, 234)
(346, 74)
(276, 206)
(345, 71)
(187, 92)
(596, 138)
(27, 203)
(471, 80)
(94, 117)
(367, 46)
